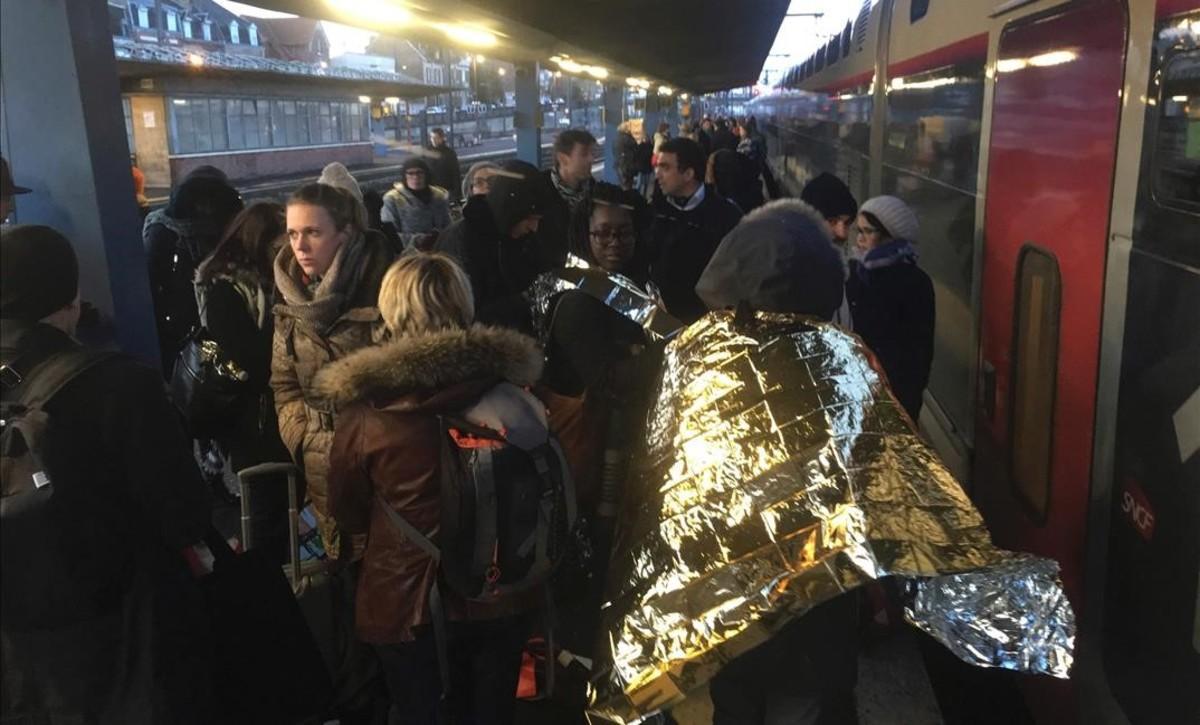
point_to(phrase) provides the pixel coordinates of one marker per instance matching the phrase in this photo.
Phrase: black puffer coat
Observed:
(501, 268)
(176, 239)
(893, 311)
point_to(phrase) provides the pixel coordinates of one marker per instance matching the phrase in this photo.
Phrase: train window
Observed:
(1177, 152)
(917, 10)
(1034, 378)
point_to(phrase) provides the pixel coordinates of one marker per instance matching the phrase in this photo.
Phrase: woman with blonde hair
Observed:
(388, 454)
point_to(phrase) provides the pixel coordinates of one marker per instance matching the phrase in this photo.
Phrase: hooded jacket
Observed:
(388, 442)
(777, 259)
(311, 330)
(176, 239)
(413, 218)
(501, 268)
(682, 242)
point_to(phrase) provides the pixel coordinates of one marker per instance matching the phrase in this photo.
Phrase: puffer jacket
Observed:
(412, 218)
(388, 443)
(311, 330)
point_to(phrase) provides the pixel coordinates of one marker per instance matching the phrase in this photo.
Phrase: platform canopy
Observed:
(693, 45)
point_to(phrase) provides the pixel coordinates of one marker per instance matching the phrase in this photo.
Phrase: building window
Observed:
(172, 21)
(187, 28)
(143, 16)
(127, 107)
(234, 36)
(1035, 378)
(917, 10)
(253, 32)
(214, 125)
(207, 30)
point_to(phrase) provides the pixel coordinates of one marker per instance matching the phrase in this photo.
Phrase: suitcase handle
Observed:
(246, 475)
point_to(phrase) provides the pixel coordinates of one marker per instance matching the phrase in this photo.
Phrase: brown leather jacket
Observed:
(388, 442)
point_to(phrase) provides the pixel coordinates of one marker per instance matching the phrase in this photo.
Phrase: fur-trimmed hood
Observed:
(431, 362)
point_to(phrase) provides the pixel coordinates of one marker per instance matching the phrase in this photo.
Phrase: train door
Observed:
(1055, 114)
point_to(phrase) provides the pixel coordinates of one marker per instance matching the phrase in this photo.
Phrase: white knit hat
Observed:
(896, 216)
(335, 174)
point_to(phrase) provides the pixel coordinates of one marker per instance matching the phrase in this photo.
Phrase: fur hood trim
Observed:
(431, 362)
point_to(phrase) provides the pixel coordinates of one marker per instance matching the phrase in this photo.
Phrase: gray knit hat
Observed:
(336, 174)
(898, 218)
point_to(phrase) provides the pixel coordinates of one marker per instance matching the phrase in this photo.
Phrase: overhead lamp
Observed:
(479, 58)
(470, 35)
(665, 90)
(558, 74)
(364, 99)
(179, 101)
(1056, 57)
(596, 71)
(195, 59)
(683, 96)
(557, 59)
(393, 100)
(374, 11)
(570, 66)
(500, 71)
(897, 84)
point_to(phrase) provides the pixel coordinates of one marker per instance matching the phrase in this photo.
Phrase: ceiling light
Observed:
(596, 71)
(570, 66)
(470, 35)
(665, 90)
(374, 11)
(393, 100)
(1179, 99)
(479, 58)
(364, 99)
(501, 71)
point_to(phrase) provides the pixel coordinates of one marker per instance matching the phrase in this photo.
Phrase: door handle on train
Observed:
(987, 389)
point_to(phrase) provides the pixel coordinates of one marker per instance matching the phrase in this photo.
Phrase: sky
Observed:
(342, 38)
(798, 36)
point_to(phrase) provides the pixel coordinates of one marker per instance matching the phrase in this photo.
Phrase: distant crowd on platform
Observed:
(370, 336)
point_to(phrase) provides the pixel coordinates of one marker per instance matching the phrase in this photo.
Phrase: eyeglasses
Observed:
(867, 231)
(414, 172)
(612, 235)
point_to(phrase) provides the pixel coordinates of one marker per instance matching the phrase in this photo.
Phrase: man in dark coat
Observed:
(444, 162)
(177, 238)
(102, 622)
(723, 137)
(626, 152)
(498, 245)
(690, 219)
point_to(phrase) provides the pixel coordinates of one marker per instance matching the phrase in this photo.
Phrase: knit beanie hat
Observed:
(335, 174)
(830, 196)
(39, 274)
(898, 219)
(779, 258)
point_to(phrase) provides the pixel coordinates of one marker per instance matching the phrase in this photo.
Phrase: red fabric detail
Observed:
(466, 440)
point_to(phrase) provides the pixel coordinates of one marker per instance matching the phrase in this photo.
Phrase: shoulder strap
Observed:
(409, 531)
(53, 374)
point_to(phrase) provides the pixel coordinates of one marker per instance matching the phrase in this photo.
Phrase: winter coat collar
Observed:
(406, 194)
(337, 292)
(889, 254)
(431, 362)
(693, 201)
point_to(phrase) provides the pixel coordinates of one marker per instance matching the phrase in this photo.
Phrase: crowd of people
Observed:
(358, 328)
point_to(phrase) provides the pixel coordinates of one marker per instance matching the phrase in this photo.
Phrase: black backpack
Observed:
(54, 570)
(508, 516)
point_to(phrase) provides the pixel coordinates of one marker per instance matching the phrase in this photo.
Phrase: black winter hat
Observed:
(416, 162)
(779, 258)
(39, 274)
(515, 193)
(830, 196)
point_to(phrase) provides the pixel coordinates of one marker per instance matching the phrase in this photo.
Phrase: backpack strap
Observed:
(409, 531)
(37, 376)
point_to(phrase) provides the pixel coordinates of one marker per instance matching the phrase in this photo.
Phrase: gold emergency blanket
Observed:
(778, 472)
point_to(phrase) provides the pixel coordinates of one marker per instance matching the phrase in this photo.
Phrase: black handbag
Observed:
(207, 386)
(268, 667)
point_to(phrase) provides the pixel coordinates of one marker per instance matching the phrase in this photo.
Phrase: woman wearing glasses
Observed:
(891, 298)
(607, 231)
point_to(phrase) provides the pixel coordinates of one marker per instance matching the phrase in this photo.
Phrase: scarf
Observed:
(424, 195)
(320, 307)
(888, 254)
(571, 196)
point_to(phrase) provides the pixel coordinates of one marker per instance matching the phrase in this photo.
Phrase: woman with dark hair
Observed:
(892, 299)
(608, 231)
(328, 279)
(176, 238)
(235, 290)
